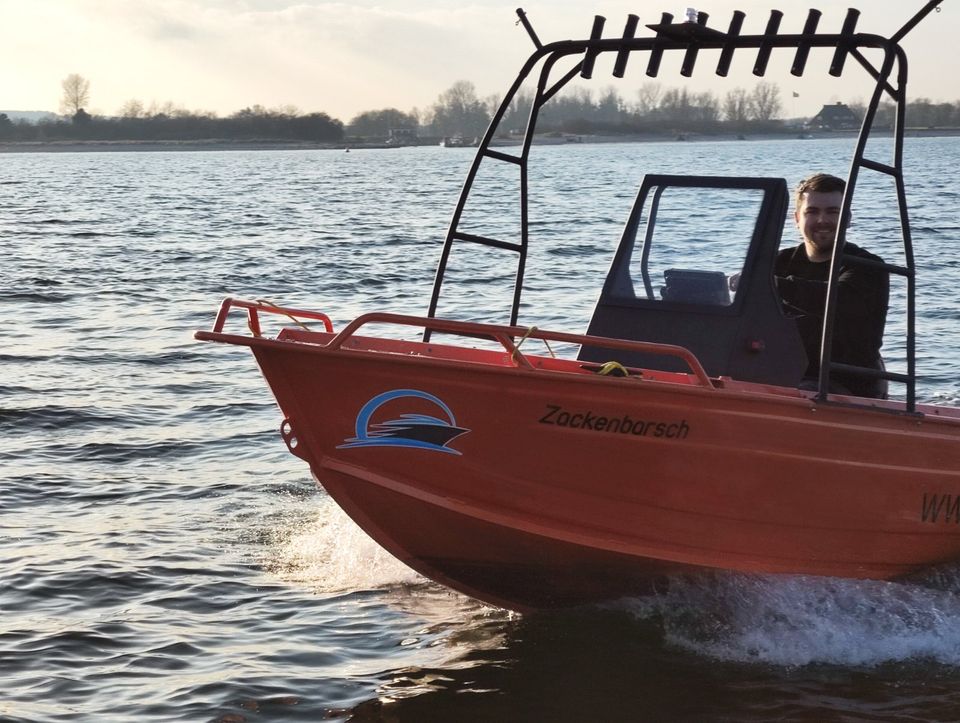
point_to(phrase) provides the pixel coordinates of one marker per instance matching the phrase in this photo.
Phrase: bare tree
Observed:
(132, 109)
(675, 104)
(765, 101)
(707, 107)
(736, 106)
(648, 98)
(608, 108)
(492, 104)
(167, 109)
(76, 94)
(459, 110)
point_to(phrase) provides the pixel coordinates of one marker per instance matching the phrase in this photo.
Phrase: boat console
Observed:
(694, 268)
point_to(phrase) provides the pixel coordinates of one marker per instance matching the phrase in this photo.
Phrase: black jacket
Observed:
(862, 299)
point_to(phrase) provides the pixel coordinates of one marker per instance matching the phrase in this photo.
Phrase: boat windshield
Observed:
(689, 244)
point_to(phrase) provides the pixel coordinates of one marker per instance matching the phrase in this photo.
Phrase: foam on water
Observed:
(781, 620)
(800, 620)
(329, 552)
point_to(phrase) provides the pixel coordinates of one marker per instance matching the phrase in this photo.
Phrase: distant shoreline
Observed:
(545, 139)
(158, 146)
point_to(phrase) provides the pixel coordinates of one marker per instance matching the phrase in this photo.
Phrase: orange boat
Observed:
(676, 441)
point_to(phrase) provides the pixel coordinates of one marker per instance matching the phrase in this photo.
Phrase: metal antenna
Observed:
(529, 28)
(933, 4)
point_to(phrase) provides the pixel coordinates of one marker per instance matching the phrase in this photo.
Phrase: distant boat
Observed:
(457, 141)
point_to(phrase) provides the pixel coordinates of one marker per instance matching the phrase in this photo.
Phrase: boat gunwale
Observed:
(418, 352)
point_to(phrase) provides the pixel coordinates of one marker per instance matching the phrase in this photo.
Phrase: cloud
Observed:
(329, 56)
(342, 57)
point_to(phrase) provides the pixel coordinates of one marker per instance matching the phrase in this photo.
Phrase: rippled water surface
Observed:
(163, 556)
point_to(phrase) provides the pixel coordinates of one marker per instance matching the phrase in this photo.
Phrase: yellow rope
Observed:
(613, 366)
(295, 320)
(530, 330)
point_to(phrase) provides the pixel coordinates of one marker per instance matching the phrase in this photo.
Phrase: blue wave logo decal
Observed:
(420, 431)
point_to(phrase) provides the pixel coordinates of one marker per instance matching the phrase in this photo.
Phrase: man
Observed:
(802, 274)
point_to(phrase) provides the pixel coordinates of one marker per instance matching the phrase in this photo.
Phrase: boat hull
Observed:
(554, 488)
(493, 562)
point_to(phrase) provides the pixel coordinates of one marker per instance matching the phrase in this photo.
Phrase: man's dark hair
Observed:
(819, 183)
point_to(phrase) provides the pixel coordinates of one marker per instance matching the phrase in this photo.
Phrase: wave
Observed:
(55, 417)
(20, 359)
(35, 296)
(801, 620)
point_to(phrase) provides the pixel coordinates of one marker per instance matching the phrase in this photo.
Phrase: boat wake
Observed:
(332, 554)
(800, 620)
(783, 620)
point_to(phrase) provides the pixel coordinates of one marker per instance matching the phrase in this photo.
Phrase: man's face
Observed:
(817, 217)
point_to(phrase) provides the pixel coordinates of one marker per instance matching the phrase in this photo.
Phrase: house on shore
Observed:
(835, 117)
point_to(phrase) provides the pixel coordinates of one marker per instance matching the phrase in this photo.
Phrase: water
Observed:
(165, 558)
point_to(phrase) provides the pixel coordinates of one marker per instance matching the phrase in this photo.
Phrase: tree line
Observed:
(137, 122)
(459, 110)
(250, 124)
(653, 108)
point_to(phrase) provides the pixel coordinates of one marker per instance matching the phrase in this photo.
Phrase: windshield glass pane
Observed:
(691, 243)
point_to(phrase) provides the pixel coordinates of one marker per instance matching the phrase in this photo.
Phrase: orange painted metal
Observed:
(529, 481)
(253, 316)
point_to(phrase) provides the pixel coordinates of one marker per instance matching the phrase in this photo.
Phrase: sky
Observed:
(343, 58)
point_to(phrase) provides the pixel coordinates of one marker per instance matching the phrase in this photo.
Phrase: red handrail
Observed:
(502, 334)
(505, 335)
(253, 318)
